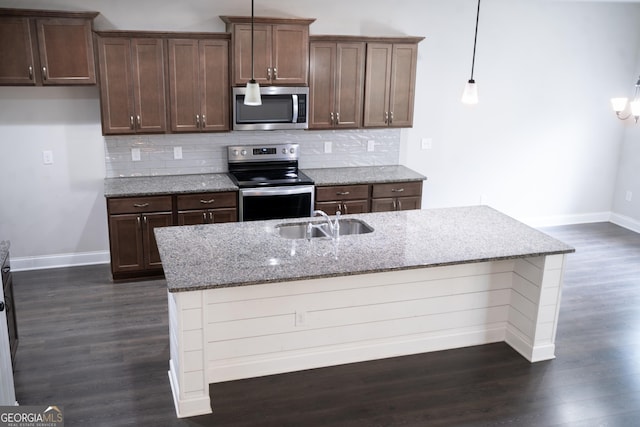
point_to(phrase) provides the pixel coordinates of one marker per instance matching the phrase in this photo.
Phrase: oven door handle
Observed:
(277, 191)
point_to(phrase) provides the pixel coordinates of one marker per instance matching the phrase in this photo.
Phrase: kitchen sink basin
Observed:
(298, 230)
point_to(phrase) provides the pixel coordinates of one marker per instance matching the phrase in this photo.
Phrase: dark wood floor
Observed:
(101, 350)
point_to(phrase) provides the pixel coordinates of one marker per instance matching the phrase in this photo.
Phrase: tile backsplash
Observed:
(206, 153)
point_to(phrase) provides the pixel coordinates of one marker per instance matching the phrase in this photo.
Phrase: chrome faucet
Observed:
(334, 227)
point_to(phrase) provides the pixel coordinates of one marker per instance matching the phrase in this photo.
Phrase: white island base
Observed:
(248, 331)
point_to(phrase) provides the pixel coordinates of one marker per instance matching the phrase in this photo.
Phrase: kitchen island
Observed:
(246, 302)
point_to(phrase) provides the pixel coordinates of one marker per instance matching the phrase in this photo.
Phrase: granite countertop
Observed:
(363, 175)
(167, 184)
(4, 250)
(236, 254)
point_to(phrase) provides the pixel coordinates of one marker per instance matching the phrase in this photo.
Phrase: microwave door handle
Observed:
(295, 108)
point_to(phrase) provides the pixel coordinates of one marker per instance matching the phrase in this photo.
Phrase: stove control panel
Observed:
(262, 153)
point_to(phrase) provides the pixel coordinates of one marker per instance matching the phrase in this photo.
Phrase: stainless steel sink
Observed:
(298, 230)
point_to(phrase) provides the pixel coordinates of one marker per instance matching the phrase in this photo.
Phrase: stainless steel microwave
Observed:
(282, 108)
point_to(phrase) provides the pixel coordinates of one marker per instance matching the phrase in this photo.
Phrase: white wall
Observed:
(542, 145)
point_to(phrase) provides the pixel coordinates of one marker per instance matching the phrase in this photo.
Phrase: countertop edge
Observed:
(364, 272)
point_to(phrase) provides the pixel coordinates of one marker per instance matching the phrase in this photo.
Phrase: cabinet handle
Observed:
(344, 209)
(197, 120)
(391, 117)
(204, 217)
(204, 121)
(30, 72)
(275, 74)
(211, 217)
(386, 117)
(139, 121)
(207, 202)
(395, 205)
(144, 218)
(131, 121)
(331, 117)
(337, 118)
(44, 73)
(342, 193)
(140, 205)
(269, 73)
(139, 224)
(397, 190)
(399, 204)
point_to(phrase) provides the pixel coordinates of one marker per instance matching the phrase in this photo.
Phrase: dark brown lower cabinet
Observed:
(397, 196)
(361, 198)
(207, 216)
(132, 241)
(9, 306)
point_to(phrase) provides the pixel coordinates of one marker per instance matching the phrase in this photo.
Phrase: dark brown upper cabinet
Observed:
(336, 83)
(390, 84)
(46, 48)
(281, 50)
(132, 83)
(199, 84)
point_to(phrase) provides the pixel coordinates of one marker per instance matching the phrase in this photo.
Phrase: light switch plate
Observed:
(47, 157)
(426, 143)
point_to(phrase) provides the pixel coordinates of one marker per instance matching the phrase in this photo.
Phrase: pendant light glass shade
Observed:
(470, 94)
(252, 95)
(618, 104)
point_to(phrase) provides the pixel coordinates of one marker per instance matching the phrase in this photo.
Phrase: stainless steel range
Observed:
(271, 185)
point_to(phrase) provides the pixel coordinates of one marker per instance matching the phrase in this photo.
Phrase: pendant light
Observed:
(470, 94)
(252, 95)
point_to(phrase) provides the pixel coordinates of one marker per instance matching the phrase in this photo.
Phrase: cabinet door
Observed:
(290, 56)
(322, 85)
(403, 82)
(149, 85)
(383, 205)
(184, 88)
(17, 66)
(355, 206)
(349, 84)
(66, 51)
(408, 203)
(223, 215)
(330, 207)
(378, 73)
(150, 222)
(195, 217)
(242, 53)
(125, 237)
(214, 85)
(116, 85)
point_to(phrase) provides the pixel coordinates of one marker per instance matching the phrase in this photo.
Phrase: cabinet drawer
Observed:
(397, 189)
(207, 200)
(342, 192)
(123, 205)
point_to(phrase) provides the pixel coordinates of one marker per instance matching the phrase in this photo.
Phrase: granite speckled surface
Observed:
(236, 254)
(4, 250)
(363, 175)
(167, 184)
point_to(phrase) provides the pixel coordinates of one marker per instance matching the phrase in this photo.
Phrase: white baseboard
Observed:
(551, 221)
(60, 260)
(626, 222)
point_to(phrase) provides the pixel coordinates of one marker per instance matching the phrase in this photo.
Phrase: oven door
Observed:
(275, 202)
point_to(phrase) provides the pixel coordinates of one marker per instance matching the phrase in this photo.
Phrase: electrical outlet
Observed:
(177, 153)
(371, 145)
(47, 157)
(327, 146)
(135, 154)
(426, 143)
(628, 196)
(301, 318)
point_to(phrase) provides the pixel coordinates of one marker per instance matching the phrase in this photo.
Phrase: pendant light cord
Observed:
(252, 70)
(475, 39)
